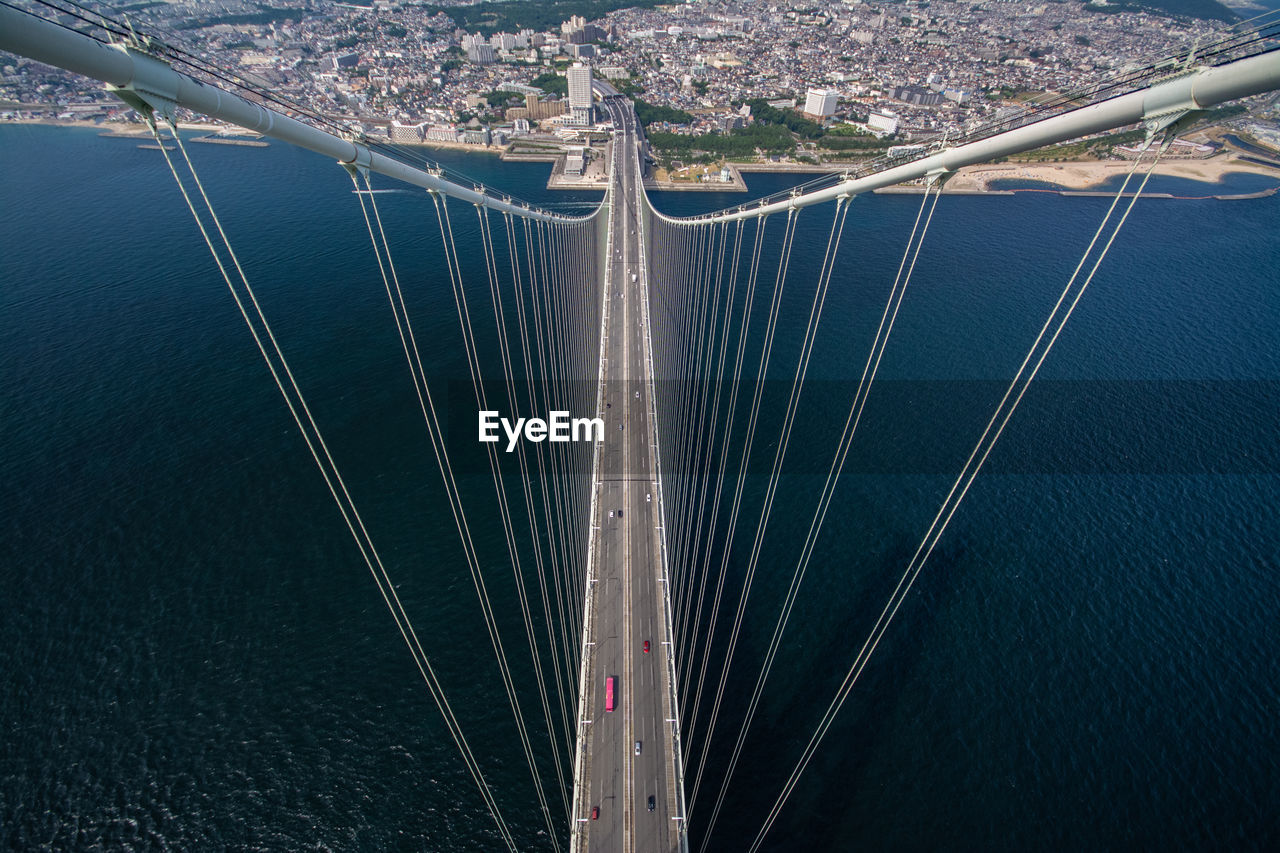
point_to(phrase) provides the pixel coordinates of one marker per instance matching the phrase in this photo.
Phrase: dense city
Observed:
(714, 81)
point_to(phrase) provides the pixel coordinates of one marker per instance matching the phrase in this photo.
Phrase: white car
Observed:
(637, 747)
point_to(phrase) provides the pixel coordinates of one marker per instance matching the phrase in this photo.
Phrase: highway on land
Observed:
(627, 600)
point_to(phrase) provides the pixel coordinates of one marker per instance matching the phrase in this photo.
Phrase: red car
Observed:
(646, 647)
(595, 813)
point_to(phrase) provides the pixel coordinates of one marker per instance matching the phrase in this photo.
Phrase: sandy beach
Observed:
(1081, 176)
(120, 127)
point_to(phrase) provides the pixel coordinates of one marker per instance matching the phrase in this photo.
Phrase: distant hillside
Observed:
(1209, 10)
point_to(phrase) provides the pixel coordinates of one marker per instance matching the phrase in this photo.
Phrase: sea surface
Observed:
(194, 657)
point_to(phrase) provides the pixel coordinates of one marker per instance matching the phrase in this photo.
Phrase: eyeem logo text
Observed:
(558, 427)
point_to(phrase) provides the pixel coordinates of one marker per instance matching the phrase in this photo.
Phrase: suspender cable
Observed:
(706, 430)
(541, 567)
(697, 382)
(873, 361)
(314, 439)
(538, 399)
(499, 316)
(752, 278)
(719, 448)
(1039, 350)
(770, 329)
(797, 386)
(464, 318)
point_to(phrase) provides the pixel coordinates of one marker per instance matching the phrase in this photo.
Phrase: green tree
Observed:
(648, 114)
(790, 119)
(551, 83)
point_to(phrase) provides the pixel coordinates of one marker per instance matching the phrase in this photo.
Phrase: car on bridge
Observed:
(595, 813)
(652, 805)
(637, 747)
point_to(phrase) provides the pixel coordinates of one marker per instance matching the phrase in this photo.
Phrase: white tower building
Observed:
(821, 103)
(579, 85)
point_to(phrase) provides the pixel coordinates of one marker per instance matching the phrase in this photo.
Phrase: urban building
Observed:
(821, 103)
(482, 54)
(883, 122)
(537, 110)
(580, 117)
(918, 95)
(579, 85)
(580, 107)
(409, 134)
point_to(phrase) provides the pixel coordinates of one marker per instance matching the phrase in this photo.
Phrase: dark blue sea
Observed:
(194, 656)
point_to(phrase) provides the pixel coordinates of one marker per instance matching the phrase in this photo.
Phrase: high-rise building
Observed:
(482, 54)
(821, 103)
(579, 85)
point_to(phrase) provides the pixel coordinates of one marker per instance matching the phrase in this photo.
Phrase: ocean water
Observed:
(195, 658)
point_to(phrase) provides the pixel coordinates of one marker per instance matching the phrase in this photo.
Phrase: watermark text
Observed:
(557, 427)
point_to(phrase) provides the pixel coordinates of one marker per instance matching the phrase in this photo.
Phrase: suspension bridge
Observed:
(620, 549)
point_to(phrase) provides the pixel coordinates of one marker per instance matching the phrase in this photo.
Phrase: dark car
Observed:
(651, 803)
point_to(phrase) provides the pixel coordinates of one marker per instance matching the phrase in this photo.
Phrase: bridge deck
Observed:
(627, 607)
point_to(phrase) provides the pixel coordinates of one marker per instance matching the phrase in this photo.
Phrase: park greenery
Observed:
(774, 131)
(742, 142)
(1209, 10)
(552, 83)
(649, 113)
(491, 17)
(790, 119)
(499, 98)
(265, 15)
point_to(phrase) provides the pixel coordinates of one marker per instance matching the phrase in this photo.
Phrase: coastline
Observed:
(124, 129)
(970, 180)
(1090, 175)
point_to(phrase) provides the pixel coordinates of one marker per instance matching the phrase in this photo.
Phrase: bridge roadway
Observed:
(627, 603)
